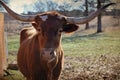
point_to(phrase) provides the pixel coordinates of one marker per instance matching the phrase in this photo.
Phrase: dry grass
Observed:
(103, 67)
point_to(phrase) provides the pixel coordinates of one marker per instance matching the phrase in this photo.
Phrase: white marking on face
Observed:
(44, 18)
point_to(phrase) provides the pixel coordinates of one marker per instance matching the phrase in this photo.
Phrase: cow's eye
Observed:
(39, 30)
(60, 30)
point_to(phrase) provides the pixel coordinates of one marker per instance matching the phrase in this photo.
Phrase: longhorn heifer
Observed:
(40, 56)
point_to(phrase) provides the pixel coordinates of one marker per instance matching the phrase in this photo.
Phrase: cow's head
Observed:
(50, 26)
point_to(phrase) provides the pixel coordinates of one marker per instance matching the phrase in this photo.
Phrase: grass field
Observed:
(82, 45)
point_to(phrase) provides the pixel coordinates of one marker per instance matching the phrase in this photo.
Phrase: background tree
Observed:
(86, 13)
(116, 10)
(64, 7)
(99, 25)
(51, 5)
(46, 5)
(38, 6)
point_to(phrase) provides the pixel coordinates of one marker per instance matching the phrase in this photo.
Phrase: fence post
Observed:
(2, 46)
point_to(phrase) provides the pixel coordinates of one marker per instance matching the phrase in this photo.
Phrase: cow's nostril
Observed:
(53, 53)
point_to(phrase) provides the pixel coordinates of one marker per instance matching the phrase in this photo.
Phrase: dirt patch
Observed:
(103, 67)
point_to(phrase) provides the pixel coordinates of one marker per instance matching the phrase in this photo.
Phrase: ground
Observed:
(88, 55)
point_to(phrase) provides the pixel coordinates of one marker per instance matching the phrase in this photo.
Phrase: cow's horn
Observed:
(84, 20)
(26, 18)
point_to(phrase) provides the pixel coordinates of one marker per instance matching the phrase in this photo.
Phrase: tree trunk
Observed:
(86, 13)
(99, 25)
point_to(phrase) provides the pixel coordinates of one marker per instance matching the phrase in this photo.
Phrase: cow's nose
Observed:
(48, 53)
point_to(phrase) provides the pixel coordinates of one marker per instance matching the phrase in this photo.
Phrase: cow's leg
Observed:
(57, 70)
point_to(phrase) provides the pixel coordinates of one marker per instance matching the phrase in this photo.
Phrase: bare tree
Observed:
(39, 6)
(51, 5)
(65, 7)
(99, 25)
(46, 5)
(117, 11)
(86, 13)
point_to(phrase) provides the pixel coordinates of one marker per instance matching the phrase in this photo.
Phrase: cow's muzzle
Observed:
(49, 54)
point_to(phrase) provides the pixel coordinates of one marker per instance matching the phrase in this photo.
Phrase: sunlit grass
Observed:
(84, 46)
(92, 44)
(15, 75)
(13, 43)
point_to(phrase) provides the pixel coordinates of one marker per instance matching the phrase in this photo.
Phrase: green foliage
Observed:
(13, 43)
(15, 75)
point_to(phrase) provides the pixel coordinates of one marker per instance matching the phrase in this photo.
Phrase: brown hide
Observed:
(26, 33)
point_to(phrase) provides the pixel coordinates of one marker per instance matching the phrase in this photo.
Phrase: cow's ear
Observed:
(68, 28)
(38, 19)
(35, 25)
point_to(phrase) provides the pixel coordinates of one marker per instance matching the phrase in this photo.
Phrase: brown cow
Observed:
(40, 56)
